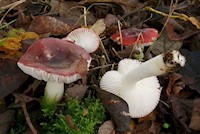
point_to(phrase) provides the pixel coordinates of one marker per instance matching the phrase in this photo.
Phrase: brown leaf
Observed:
(155, 128)
(82, 69)
(110, 20)
(170, 29)
(107, 128)
(164, 44)
(76, 91)
(6, 119)
(175, 84)
(126, 5)
(11, 77)
(194, 122)
(117, 108)
(179, 113)
(70, 121)
(72, 11)
(47, 24)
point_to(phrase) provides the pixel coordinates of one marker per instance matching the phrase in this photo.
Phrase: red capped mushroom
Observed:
(133, 36)
(55, 61)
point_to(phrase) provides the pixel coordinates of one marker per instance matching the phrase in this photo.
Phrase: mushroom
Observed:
(85, 38)
(136, 82)
(55, 61)
(135, 38)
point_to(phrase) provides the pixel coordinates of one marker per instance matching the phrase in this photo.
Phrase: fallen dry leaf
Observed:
(175, 84)
(126, 5)
(11, 77)
(12, 43)
(107, 128)
(6, 119)
(164, 44)
(194, 122)
(179, 113)
(73, 11)
(110, 20)
(99, 27)
(76, 91)
(170, 29)
(117, 108)
(48, 24)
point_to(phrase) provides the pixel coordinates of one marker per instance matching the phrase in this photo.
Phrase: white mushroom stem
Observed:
(54, 90)
(158, 65)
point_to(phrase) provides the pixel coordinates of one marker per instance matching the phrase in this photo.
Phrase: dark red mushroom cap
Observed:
(134, 36)
(52, 59)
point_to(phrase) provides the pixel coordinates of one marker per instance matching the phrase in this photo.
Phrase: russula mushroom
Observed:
(85, 38)
(55, 61)
(136, 82)
(136, 37)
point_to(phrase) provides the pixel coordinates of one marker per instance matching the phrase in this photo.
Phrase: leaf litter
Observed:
(20, 27)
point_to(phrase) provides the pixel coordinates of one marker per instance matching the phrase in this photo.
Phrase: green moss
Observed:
(86, 116)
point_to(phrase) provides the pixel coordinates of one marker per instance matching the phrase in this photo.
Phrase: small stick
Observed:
(104, 50)
(120, 33)
(104, 66)
(11, 6)
(117, 54)
(28, 120)
(85, 16)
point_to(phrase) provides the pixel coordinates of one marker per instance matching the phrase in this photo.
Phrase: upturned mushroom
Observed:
(55, 61)
(136, 82)
(85, 38)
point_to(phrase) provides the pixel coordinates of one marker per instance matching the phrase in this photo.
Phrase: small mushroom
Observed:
(85, 38)
(55, 61)
(136, 82)
(137, 37)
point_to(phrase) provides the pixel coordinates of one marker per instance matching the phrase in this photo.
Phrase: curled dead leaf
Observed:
(170, 29)
(107, 128)
(164, 44)
(117, 108)
(47, 24)
(194, 122)
(6, 120)
(76, 91)
(175, 84)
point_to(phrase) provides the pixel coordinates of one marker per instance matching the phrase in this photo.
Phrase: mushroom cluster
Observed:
(136, 82)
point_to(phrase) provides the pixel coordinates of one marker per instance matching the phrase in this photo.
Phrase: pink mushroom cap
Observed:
(134, 36)
(55, 60)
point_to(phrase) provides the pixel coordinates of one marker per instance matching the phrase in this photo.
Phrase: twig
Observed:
(120, 34)
(21, 100)
(85, 16)
(164, 103)
(171, 11)
(11, 6)
(103, 66)
(104, 51)
(117, 54)
(28, 120)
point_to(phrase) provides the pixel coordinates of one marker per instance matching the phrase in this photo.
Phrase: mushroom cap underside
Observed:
(85, 38)
(141, 97)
